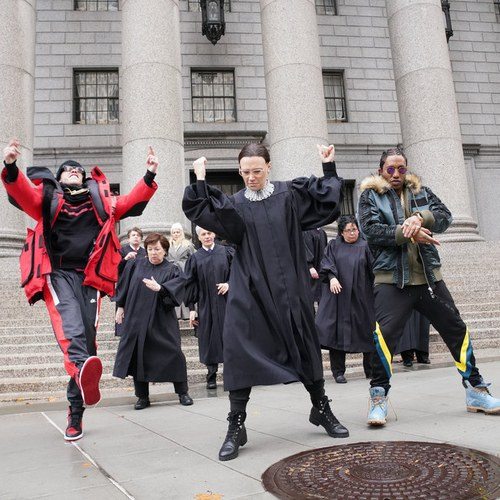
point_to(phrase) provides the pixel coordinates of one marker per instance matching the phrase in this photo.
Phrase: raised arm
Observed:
(318, 199)
(209, 208)
(134, 203)
(23, 194)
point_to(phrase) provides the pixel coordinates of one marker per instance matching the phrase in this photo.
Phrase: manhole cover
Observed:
(386, 470)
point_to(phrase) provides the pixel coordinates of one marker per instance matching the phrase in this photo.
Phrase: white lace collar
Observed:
(261, 194)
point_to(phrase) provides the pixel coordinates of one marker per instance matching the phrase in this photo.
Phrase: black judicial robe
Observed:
(415, 334)
(203, 271)
(269, 333)
(315, 241)
(150, 344)
(346, 321)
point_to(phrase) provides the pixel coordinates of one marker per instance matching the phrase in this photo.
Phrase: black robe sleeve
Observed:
(318, 200)
(172, 289)
(211, 209)
(124, 283)
(192, 291)
(328, 263)
(309, 246)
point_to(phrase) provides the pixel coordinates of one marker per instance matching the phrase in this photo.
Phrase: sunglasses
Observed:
(401, 170)
(69, 168)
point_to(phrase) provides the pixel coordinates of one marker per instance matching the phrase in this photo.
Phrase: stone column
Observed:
(427, 107)
(152, 106)
(17, 74)
(294, 86)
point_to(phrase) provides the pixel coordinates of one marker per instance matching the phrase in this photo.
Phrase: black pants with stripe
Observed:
(393, 306)
(74, 312)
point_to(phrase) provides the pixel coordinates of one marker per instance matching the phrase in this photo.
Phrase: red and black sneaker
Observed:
(88, 380)
(74, 430)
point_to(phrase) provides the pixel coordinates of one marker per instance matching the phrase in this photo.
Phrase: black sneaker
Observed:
(74, 430)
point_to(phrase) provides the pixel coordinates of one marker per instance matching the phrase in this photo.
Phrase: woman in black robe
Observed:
(346, 316)
(150, 344)
(269, 332)
(207, 275)
(315, 241)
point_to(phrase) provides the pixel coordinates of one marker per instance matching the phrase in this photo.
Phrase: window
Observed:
(96, 4)
(333, 86)
(213, 97)
(328, 7)
(194, 5)
(95, 98)
(347, 207)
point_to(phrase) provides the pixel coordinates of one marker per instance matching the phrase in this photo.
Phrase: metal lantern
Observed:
(213, 24)
(445, 5)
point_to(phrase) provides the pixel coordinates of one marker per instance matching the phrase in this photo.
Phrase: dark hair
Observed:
(137, 230)
(396, 151)
(254, 149)
(344, 220)
(153, 238)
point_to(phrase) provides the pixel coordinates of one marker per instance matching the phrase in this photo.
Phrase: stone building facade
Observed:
(361, 74)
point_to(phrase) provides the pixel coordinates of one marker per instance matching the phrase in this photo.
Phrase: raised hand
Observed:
(11, 153)
(326, 153)
(200, 168)
(152, 160)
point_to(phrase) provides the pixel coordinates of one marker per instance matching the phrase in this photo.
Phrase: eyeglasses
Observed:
(257, 172)
(70, 168)
(355, 230)
(401, 170)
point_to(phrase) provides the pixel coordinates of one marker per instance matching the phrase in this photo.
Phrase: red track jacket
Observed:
(101, 271)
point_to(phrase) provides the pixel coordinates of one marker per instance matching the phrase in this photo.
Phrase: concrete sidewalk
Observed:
(170, 451)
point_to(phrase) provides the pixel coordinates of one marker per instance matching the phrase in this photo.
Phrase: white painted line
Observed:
(115, 483)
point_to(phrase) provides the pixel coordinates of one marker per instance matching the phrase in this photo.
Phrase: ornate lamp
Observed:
(213, 24)
(445, 5)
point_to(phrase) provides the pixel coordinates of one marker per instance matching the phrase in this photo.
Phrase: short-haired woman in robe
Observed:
(269, 333)
(150, 344)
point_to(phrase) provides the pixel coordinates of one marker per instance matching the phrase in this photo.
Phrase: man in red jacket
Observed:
(71, 258)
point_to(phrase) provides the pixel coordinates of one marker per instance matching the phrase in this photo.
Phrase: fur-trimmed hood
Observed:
(381, 186)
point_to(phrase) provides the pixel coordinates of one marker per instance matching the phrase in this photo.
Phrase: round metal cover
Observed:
(386, 471)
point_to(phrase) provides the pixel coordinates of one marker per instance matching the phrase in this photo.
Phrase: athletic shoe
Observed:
(88, 380)
(74, 430)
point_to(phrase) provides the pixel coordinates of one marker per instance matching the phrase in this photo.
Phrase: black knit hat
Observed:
(71, 163)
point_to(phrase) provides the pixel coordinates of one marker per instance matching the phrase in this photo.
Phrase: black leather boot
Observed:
(236, 435)
(322, 415)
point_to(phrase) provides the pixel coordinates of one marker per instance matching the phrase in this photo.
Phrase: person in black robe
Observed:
(150, 344)
(130, 250)
(207, 275)
(415, 340)
(315, 241)
(346, 315)
(269, 334)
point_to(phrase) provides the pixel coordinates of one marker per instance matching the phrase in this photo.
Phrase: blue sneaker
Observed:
(378, 407)
(479, 399)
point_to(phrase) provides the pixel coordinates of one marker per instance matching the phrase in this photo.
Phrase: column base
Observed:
(461, 230)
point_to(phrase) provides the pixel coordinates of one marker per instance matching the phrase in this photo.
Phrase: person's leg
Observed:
(236, 433)
(445, 317)
(367, 364)
(422, 357)
(321, 413)
(212, 375)
(73, 314)
(142, 393)
(392, 309)
(407, 357)
(337, 365)
(181, 389)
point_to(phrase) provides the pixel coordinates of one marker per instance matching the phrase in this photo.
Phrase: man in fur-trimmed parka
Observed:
(398, 216)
